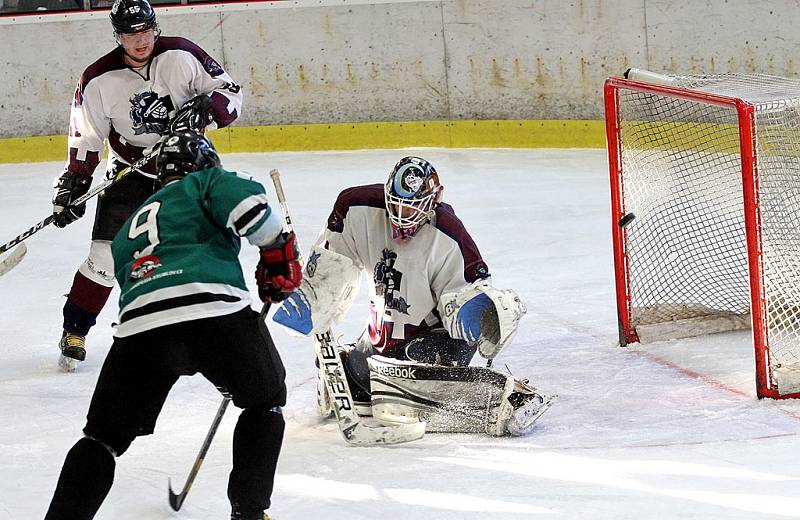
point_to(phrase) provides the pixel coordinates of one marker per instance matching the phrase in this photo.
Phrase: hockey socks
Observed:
(257, 441)
(85, 480)
(84, 302)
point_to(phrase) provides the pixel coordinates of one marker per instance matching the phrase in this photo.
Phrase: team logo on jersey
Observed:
(150, 113)
(144, 267)
(213, 68)
(387, 282)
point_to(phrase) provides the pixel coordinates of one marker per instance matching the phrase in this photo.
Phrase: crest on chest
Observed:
(150, 113)
(387, 282)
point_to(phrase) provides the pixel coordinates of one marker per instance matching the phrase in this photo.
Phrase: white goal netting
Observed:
(681, 171)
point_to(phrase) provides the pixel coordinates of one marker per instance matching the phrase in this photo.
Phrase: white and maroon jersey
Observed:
(408, 278)
(132, 107)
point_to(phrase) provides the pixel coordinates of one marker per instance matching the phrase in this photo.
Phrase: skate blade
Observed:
(522, 424)
(67, 364)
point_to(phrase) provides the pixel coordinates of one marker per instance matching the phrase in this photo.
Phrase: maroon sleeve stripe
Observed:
(83, 167)
(170, 43)
(370, 195)
(448, 223)
(219, 107)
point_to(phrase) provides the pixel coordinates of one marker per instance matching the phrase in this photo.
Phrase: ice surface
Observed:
(671, 430)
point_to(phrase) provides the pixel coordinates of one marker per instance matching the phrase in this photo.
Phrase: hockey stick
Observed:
(353, 429)
(11, 261)
(176, 500)
(15, 257)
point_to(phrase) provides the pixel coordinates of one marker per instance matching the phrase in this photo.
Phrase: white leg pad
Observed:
(453, 399)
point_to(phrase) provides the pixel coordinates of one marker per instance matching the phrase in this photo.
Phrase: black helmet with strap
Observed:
(185, 152)
(132, 16)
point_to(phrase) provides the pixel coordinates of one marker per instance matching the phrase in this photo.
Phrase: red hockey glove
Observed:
(279, 272)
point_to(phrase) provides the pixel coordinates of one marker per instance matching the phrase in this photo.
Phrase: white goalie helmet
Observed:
(412, 193)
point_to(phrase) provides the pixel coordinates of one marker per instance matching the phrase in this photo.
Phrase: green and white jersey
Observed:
(176, 258)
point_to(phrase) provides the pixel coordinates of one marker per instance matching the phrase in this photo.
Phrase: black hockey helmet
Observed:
(132, 16)
(185, 152)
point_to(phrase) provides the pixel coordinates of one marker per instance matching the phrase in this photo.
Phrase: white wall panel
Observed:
(316, 61)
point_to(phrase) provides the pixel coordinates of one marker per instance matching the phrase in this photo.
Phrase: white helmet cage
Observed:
(411, 193)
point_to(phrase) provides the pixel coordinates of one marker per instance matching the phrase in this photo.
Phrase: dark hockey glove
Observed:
(279, 272)
(195, 115)
(67, 187)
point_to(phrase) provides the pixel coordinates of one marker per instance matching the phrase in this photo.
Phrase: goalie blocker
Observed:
(453, 399)
(330, 284)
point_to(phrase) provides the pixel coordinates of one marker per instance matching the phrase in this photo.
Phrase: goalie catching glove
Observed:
(195, 115)
(483, 315)
(279, 271)
(67, 187)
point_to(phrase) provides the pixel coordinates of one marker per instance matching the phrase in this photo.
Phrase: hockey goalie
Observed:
(431, 308)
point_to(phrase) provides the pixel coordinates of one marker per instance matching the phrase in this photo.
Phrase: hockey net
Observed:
(707, 171)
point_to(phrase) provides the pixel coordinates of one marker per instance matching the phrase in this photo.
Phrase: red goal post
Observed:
(705, 199)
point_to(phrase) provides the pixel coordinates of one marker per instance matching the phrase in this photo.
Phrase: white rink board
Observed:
(328, 61)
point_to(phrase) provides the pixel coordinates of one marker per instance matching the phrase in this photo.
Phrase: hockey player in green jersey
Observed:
(185, 308)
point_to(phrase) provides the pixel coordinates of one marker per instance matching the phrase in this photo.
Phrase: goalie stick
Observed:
(16, 256)
(355, 431)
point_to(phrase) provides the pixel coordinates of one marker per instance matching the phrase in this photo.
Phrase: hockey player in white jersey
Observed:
(431, 308)
(131, 97)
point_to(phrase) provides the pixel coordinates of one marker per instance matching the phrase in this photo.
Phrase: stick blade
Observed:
(362, 434)
(13, 258)
(175, 501)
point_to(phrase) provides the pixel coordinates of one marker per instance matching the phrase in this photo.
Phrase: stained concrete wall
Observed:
(353, 61)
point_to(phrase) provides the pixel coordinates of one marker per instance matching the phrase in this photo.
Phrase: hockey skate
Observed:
(527, 405)
(73, 350)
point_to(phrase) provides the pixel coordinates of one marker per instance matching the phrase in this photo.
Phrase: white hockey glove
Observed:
(481, 314)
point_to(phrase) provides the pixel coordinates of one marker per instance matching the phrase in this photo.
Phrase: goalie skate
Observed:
(529, 409)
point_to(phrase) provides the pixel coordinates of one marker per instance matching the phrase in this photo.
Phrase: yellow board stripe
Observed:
(357, 136)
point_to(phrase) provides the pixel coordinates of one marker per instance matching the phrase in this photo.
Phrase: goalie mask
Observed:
(412, 193)
(132, 16)
(183, 153)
